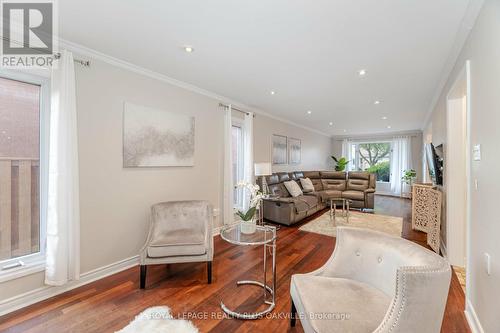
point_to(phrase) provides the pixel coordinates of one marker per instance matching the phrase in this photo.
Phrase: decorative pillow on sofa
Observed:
(307, 185)
(293, 188)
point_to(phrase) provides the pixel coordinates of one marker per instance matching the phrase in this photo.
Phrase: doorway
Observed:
(457, 170)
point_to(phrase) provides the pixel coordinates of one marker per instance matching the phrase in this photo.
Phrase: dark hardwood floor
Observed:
(110, 304)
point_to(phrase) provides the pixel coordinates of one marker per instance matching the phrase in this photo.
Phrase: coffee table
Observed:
(345, 207)
(264, 235)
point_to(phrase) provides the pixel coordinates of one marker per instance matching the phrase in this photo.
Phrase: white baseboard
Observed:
(37, 295)
(472, 319)
(390, 194)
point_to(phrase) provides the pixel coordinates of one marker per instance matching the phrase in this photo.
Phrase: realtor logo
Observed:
(28, 30)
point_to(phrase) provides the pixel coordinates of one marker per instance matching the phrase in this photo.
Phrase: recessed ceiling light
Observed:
(384, 118)
(309, 112)
(330, 123)
(273, 92)
(345, 131)
(188, 49)
(389, 126)
(376, 102)
(362, 72)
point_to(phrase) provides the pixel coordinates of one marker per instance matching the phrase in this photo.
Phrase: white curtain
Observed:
(228, 200)
(400, 161)
(346, 152)
(63, 211)
(248, 174)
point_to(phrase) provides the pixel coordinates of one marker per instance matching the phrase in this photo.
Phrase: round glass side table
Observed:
(264, 235)
(345, 207)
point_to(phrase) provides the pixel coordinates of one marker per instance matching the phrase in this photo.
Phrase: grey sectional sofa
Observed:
(282, 208)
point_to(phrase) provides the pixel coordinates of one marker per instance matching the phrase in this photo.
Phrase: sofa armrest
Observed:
(280, 210)
(370, 198)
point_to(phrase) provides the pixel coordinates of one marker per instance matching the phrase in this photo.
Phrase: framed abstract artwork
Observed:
(294, 151)
(279, 146)
(157, 138)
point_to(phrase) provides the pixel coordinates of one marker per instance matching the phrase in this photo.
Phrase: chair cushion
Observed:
(359, 175)
(279, 190)
(304, 203)
(318, 185)
(354, 195)
(357, 184)
(333, 175)
(334, 184)
(330, 194)
(293, 188)
(180, 242)
(176, 250)
(312, 201)
(323, 300)
(183, 236)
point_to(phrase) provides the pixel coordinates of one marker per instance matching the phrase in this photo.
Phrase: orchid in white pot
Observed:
(248, 217)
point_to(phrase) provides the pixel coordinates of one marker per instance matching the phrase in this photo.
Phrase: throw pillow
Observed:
(307, 185)
(293, 188)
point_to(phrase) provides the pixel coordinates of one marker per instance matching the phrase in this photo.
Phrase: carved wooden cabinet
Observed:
(426, 212)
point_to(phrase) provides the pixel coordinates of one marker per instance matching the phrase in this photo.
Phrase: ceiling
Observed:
(308, 52)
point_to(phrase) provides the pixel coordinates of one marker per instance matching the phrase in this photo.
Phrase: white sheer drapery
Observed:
(401, 161)
(228, 191)
(248, 174)
(63, 210)
(347, 153)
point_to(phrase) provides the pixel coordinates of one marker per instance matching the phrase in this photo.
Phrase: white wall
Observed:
(482, 48)
(316, 148)
(115, 201)
(456, 174)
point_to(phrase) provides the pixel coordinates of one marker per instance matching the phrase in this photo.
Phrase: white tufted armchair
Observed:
(179, 231)
(373, 282)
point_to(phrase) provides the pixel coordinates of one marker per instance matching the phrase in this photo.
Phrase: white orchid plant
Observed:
(255, 198)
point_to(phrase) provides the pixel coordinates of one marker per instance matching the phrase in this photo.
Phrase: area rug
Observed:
(158, 320)
(391, 225)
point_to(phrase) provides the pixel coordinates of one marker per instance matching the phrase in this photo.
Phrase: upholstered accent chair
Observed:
(373, 282)
(179, 232)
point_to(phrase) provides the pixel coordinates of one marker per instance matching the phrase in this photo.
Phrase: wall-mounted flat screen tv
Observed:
(434, 163)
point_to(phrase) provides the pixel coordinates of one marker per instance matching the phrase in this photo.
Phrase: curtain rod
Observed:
(371, 139)
(235, 109)
(85, 63)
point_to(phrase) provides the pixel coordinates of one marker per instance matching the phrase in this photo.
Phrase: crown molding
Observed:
(91, 53)
(412, 133)
(466, 26)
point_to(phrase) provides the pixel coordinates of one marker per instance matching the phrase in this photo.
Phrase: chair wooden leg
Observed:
(209, 271)
(144, 269)
(293, 315)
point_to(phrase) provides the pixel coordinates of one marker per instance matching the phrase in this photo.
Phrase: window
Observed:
(373, 157)
(237, 157)
(23, 119)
